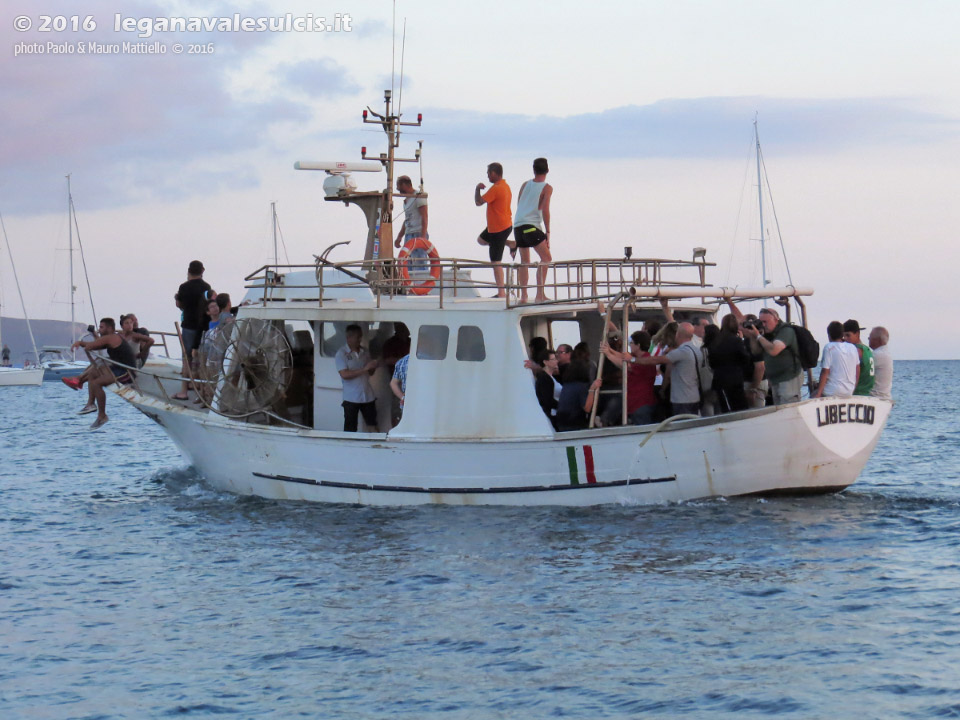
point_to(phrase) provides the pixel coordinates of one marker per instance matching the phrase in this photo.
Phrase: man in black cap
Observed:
(191, 299)
(851, 334)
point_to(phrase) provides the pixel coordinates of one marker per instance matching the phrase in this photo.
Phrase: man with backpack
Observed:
(781, 356)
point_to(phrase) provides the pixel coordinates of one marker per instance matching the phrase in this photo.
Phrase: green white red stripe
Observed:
(574, 461)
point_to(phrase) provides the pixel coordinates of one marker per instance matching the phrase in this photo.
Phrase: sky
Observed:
(645, 111)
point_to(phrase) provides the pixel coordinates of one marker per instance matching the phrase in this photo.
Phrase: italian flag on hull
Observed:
(577, 458)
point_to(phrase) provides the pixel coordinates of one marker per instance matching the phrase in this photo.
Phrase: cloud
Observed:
(697, 127)
(319, 77)
(370, 29)
(124, 122)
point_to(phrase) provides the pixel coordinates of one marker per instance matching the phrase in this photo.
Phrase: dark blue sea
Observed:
(129, 589)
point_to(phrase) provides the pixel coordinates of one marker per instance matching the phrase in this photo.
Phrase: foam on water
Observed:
(130, 588)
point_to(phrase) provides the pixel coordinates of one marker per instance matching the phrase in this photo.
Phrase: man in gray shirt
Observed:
(414, 213)
(683, 361)
(882, 362)
(355, 367)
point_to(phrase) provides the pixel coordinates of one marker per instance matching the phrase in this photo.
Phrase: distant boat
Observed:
(26, 375)
(57, 364)
(20, 376)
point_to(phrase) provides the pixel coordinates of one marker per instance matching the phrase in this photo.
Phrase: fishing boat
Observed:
(265, 417)
(26, 375)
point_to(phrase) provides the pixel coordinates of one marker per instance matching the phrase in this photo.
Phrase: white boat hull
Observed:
(807, 447)
(21, 376)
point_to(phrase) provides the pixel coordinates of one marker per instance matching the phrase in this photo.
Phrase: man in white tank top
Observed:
(414, 213)
(531, 227)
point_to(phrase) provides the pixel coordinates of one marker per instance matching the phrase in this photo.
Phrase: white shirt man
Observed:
(355, 367)
(882, 362)
(839, 366)
(415, 215)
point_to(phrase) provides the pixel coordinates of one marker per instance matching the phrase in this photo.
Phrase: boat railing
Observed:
(203, 388)
(567, 281)
(163, 339)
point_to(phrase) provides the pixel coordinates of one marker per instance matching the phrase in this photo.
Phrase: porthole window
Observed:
(470, 345)
(432, 342)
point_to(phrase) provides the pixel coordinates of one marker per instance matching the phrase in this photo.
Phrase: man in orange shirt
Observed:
(499, 219)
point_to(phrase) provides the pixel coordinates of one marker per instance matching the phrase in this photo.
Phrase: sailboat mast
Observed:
(16, 279)
(73, 323)
(763, 236)
(273, 220)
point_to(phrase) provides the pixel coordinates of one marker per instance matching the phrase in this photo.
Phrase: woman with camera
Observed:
(731, 365)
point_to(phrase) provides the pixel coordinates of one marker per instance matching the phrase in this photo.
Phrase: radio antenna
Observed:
(403, 48)
(393, 49)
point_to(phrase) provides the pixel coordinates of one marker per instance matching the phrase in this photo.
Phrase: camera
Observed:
(754, 324)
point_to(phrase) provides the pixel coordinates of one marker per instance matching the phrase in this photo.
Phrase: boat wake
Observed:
(187, 481)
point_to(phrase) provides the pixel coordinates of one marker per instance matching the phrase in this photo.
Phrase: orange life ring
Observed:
(419, 243)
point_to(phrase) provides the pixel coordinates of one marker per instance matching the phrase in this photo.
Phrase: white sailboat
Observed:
(24, 375)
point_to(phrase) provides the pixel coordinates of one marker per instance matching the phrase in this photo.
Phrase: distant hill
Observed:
(46, 332)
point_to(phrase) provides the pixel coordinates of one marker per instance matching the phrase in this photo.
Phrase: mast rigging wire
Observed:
(83, 259)
(776, 220)
(16, 280)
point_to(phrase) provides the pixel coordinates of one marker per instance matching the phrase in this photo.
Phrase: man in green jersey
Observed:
(851, 334)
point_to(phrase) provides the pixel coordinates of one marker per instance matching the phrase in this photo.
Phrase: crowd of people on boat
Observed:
(691, 368)
(699, 369)
(672, 368)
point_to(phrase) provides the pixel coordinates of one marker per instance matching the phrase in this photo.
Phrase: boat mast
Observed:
(763, 246)
(273, 213)
(73, 289)
(391, 124)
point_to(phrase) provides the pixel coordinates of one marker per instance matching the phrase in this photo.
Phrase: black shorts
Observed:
(528, 236)
(497, 241)
(191, 338)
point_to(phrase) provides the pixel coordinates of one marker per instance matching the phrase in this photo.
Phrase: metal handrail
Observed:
(567, 280)
(163, 339)
(136, 372)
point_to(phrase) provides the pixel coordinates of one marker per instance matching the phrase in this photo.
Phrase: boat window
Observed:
(432, 342)
(334, 336)
(564, 332)
(470, 345)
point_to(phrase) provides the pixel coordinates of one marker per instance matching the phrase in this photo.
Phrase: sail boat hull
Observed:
(20, 376)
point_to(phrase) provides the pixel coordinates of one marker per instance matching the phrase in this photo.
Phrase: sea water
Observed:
(130, 589)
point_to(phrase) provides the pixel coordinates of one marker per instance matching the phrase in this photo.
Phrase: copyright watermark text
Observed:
(146, 27)
(155, 47)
